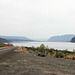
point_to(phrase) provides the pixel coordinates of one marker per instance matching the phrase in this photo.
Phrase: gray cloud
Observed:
(37, 18)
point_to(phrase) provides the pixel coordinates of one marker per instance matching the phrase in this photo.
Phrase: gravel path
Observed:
(24, 63)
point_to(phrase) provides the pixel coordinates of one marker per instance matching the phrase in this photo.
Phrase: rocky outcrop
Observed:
(73, 39)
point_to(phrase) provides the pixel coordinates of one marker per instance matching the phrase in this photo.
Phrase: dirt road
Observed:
(25, 63)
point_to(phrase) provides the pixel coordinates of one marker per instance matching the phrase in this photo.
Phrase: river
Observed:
(56, 45)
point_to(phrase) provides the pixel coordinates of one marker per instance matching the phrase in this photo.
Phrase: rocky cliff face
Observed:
(73, 39)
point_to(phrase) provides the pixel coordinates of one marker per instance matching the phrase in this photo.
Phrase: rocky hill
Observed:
(15, 38)
(4, 40)
(73, 39)
(61, 38)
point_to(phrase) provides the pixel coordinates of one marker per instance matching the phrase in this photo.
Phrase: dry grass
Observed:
(23, 49)
(73, 58)
(70, 57)
(48, 54)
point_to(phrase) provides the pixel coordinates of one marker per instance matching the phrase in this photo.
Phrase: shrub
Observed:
(51, 51)
(66, 52)
(33, 48)
(60, 55)
(9, 44)
(2, 44)
(42, 48)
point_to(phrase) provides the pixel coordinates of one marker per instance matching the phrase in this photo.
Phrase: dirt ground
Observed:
(2, 48)
(22, 62)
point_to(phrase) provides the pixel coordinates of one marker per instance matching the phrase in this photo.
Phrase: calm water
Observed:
(55, 45)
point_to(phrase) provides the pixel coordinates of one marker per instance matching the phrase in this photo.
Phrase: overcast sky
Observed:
(37, 18)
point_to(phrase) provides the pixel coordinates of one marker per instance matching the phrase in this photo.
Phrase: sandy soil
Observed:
(22, 62)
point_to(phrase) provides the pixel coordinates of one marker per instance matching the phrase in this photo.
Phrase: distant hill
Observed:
(4, 40)
(73, 39)
(16, 38)
(61, 38)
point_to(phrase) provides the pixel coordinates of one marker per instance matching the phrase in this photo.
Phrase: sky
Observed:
(37, 18)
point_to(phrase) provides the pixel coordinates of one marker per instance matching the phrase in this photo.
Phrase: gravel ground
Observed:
(25, 63)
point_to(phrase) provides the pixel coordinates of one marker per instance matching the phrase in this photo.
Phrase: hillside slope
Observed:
(73, 39)
(4, 40)
(15, 38)
(61, 38)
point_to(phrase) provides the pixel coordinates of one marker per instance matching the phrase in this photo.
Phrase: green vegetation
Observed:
(2, 44)
(59, 55)
(9, 44)
(42, 49)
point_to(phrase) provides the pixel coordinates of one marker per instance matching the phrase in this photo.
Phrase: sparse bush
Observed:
(9, 44)
(42, 48)
(33, 48)
(60, 55)
(66, 52)
(2, 44)
(51, 51)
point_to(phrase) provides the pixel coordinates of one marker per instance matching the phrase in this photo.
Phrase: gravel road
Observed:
(25, 63)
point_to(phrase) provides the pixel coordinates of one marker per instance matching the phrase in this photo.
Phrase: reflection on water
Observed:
(55, 45)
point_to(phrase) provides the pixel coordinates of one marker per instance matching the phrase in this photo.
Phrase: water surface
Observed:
(56, 45)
